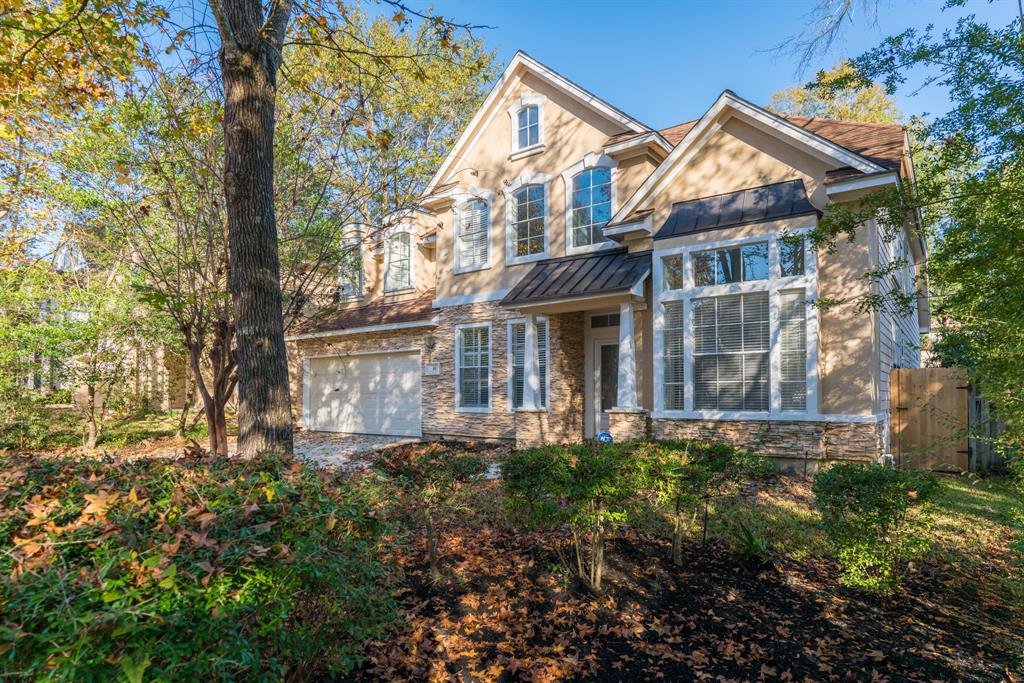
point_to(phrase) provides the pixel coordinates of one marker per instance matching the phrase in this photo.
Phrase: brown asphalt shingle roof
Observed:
(332, 319)
(878, 142)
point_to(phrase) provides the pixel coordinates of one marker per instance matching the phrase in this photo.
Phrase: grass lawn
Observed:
(510, 607)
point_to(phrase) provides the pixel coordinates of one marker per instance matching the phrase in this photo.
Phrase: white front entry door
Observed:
(365, 394)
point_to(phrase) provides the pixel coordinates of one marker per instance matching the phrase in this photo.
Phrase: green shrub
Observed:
(592, 488)
(864, 509)
(426, 479)
(185, 570)
(690, 472)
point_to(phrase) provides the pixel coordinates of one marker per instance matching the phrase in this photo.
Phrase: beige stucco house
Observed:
(571, 270)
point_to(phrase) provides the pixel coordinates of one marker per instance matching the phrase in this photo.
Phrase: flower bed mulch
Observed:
(510, 610)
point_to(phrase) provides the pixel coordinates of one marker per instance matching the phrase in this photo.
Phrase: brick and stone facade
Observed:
(561, 422)
(628, 424)
(792, 443)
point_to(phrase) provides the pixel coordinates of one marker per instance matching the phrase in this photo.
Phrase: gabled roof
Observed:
(602, 272)
(727, 210)
(521, 63)
(799, 132)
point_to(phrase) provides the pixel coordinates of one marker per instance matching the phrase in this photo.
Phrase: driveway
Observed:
(348, 451)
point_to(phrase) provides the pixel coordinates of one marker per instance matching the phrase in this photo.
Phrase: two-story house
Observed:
(572, 270)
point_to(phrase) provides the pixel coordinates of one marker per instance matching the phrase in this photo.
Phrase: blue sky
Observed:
(665, 62)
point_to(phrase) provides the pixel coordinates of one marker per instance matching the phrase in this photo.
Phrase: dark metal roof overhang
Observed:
(753, 205)
(582, 281)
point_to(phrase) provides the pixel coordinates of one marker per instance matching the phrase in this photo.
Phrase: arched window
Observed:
(529, 126)
(528, 213)
(474, 227)
(591, 206)
(398, 252)
(350, 268)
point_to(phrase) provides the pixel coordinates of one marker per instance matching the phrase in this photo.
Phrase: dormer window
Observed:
(398, 262)
(529, 126)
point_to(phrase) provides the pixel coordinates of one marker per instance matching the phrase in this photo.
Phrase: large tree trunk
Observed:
(250, 57)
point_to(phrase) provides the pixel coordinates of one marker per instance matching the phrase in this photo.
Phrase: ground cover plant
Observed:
(513, 608)
(185, 569)
(47, 427)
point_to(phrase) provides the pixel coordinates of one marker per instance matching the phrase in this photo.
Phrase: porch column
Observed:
(627, 359)
(531, 366)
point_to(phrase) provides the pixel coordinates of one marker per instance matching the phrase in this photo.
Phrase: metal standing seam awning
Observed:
(582, 282)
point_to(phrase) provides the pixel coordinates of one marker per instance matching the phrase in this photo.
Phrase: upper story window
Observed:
(398, 268)
(528, 126)
(472, 249)
(350, 268)
(736, 264)
(791, 256)
(528, 212)
(591, 206)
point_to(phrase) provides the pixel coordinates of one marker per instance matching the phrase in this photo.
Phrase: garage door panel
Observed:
(372, 394)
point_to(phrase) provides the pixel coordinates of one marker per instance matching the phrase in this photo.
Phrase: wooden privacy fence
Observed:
(937, 422)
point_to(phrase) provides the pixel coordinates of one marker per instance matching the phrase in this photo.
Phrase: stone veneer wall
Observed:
(788, 441)
(563, 422)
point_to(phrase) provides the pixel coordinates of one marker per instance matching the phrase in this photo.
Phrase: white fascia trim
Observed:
(458, 368)
(644, 226)
(654, 137)
(866, 183)
(476, 298)
(487, 110)
(527, 178)
(706, 127)
(765, 417)
(367, 329)
(614, 297)
(589, 160)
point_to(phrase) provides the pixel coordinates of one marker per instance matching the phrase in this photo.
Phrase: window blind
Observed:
(673, 354)
(518, 343)
(474, 233)
(793, 349)
(474, 367)
(731, 360)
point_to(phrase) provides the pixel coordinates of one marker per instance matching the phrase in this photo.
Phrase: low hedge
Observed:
(185, 570)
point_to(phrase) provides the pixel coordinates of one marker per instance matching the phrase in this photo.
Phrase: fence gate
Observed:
(929, 418)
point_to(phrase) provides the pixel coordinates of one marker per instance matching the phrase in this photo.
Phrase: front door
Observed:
(606, 382)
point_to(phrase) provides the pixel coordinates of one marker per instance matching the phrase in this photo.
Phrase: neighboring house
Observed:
(572, 271)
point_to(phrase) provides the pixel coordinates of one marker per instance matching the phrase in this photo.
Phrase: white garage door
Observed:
(373, 394)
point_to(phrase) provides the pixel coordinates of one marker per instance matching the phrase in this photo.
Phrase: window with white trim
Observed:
(675, 360)
(793, 349)
(350, 268)
(672, 272)
(528, 126)
(528, 217)
(744, 263)
(591, 206)
(791, 255)
(517, 351)
(731, 352)
(474, 367)
(398, 251)
(474, 235)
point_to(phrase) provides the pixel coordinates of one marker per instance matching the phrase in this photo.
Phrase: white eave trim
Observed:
(644, 228)
(367, 329)
(555, 79)
(861, 183)
(654, 137)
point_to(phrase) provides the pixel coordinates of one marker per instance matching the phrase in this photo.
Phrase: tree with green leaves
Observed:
(852, 101)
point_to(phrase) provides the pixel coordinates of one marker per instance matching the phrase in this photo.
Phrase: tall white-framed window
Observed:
(473, 234)
(350, 267)
(473, 368)
(526, 229)
(517, 362)
(589, 203)
(398, 260)
(735, 329)
(526, 116)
